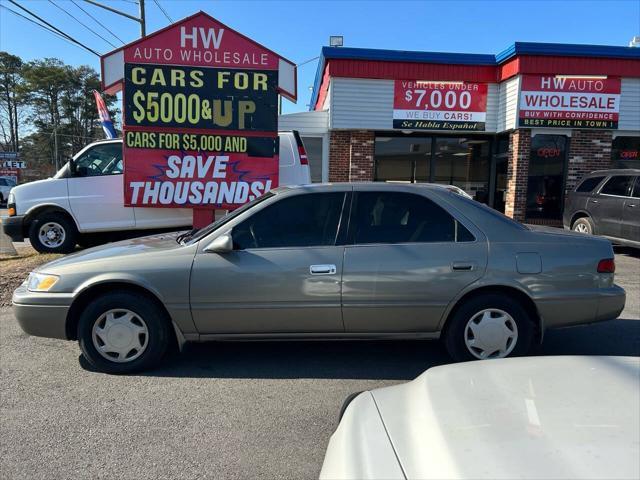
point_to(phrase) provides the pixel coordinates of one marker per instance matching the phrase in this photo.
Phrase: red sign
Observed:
(569, 102)
(431, 105)
(200, 117)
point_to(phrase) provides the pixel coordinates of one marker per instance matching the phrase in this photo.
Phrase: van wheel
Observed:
(53, 232)
(583, 225)
(489, 326)
(121, 332)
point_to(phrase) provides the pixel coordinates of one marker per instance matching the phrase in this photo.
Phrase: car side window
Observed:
(619, 185)
(390, 217)
(588, 184)
(636, 189)
(305, 220)
(100, 160)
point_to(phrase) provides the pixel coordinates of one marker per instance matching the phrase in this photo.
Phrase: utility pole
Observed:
(141, 20)
(143, 26)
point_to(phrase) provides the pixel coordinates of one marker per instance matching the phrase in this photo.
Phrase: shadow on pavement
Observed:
(373, 360)
(628, 251)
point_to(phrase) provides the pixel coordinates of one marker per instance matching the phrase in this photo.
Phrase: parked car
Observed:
(76, 204)
(6, 183)
(528, 418)
(606, 203)
(369, 260)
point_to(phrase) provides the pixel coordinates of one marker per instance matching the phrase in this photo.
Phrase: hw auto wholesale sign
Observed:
(200, 115)
(569, 102)
(432, 105)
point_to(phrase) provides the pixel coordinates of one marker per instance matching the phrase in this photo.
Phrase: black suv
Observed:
(607, 203)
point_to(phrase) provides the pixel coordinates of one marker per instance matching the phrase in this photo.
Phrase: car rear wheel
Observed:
(489, 326)
(583, 225)
(122, 332)
(53, 232)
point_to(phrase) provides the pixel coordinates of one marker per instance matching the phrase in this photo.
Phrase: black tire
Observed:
(584, 222)
(454, 335)
(155, 318)
(68, 227)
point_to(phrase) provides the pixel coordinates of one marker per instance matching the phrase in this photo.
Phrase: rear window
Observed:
(618, 185)
(588, 184)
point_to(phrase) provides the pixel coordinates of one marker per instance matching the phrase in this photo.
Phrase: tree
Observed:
(11, 102)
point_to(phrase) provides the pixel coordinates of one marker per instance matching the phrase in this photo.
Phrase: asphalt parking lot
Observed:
(227, 410)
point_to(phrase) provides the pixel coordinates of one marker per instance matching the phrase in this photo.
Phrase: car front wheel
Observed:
(583, 225)
(489, 326)
(122, 332)
(53, 232)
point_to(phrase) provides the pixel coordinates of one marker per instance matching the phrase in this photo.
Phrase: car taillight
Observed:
(607, 265)
(303, 156)
(301, 150)
(539, 199)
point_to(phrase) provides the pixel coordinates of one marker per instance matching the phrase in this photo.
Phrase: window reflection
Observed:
(402, 159)
(464, 162)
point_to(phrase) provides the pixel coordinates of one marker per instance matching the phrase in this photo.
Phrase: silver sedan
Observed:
(327, 261)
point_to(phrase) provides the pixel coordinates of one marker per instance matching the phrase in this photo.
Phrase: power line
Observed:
(24, 9)
(39, 25)
(163, 10)
(97, 21)
(78, 21)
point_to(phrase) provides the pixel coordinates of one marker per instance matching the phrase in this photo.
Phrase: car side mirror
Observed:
(221, 244)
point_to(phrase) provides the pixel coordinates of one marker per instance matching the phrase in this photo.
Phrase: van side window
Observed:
(100, 160)
(306, 220)
(588, 184)
(619, 185)
(389, 217)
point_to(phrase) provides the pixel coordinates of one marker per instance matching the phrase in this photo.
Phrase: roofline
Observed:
(182, 20)
(514, 50)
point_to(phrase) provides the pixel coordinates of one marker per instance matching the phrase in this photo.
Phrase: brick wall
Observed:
(517, 174)
(589, 150)
(351, 156)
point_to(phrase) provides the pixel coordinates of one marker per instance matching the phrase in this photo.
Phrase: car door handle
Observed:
(593, 201)
(462, 266)
(631, 205)
(322, 269)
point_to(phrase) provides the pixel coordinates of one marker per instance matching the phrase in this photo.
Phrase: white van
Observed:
(87, 206)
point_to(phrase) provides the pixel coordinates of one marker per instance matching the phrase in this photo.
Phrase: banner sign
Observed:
(433, 105)
(569, 102)
(13, 164)
(200, 117)
(204, 98)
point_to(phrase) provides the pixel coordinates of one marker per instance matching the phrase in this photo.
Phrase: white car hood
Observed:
(535, 417)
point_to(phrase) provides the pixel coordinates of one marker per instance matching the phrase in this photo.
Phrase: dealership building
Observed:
(516, 130)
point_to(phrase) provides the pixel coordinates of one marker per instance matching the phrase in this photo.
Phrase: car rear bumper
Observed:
(42, 314)
(588, 307)
(13, 227)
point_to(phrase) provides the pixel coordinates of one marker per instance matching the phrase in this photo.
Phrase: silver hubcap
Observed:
(51, 234)
(580, 227)
(491, 333)
(120, 335)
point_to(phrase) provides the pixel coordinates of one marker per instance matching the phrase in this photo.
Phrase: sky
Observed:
(298, 29)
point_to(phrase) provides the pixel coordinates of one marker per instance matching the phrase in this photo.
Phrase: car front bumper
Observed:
(591, 306)
(42, 314)
(13, 227)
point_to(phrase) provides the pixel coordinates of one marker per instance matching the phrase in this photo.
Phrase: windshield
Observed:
(203, 232)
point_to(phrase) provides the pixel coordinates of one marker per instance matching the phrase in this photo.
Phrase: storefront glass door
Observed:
(463, 162)
(403, 159)
(545, 186)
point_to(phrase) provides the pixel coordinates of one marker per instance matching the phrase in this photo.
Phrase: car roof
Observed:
(615, 171)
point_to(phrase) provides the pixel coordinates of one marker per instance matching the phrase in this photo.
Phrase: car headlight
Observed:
(41, 282)
(11, 198)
